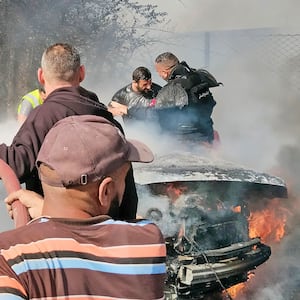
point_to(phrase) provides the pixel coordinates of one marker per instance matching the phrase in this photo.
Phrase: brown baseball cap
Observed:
(86, 148)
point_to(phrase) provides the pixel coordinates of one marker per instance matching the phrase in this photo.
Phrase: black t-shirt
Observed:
(140, 105)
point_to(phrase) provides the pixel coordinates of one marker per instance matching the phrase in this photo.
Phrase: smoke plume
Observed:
(257, 111)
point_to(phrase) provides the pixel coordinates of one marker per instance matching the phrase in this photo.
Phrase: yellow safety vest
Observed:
(33, 97)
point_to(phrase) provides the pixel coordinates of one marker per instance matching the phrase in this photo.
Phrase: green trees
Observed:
(107, 32)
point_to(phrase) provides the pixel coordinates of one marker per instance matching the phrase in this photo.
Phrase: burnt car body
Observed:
(202, 208)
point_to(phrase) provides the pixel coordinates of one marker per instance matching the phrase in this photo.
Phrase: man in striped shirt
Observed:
(76, 250)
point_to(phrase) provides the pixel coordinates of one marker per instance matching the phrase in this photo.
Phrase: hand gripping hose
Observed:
(11, 184)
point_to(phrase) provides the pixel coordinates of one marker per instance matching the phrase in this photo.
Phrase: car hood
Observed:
(191, 167)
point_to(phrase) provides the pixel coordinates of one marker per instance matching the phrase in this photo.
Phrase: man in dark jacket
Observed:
(135, 101)
(61, 73)
(185, 104)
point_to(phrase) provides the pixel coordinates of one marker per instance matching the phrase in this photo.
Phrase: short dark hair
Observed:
(141, 73)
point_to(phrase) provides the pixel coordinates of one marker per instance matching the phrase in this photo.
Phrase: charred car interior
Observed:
(202, 208)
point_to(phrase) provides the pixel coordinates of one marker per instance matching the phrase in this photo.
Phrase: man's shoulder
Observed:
(181, 70)
(21, 235)
(71, 94)
(25, 103)
(142, 230)
(67, 91)
(88, 94)
(124, 89)
(122, 94)
(33, 92)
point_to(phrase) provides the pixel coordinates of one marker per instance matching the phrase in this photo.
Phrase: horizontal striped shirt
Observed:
(98, 258)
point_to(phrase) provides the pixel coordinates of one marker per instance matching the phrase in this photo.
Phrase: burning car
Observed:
(202, 207)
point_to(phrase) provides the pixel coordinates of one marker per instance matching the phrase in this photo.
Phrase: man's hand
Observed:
(117, 109)
(31, 200)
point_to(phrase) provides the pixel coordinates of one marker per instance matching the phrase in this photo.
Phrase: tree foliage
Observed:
(107, 32)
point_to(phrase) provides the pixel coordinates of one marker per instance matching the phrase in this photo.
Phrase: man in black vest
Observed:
(185, 103)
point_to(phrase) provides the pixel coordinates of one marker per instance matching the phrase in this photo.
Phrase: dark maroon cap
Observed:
(84, 149)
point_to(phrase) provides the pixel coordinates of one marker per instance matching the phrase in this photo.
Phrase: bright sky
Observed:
(202, 15)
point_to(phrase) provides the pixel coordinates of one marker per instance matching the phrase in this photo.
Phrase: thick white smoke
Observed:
(256, 113)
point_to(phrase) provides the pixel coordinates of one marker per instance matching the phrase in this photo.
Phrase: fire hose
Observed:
(11, 184)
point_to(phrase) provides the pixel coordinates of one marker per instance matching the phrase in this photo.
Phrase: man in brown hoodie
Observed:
(60, 73)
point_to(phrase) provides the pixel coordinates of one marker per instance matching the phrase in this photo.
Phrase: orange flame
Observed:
(236, 290)
(268, 223)
(175, 190)
(237, 209)
(239, 288)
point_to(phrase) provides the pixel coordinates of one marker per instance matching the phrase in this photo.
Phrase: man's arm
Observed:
(24, 108)
(22, 152)
(117, 109)
(31, 200)
(118, 106)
